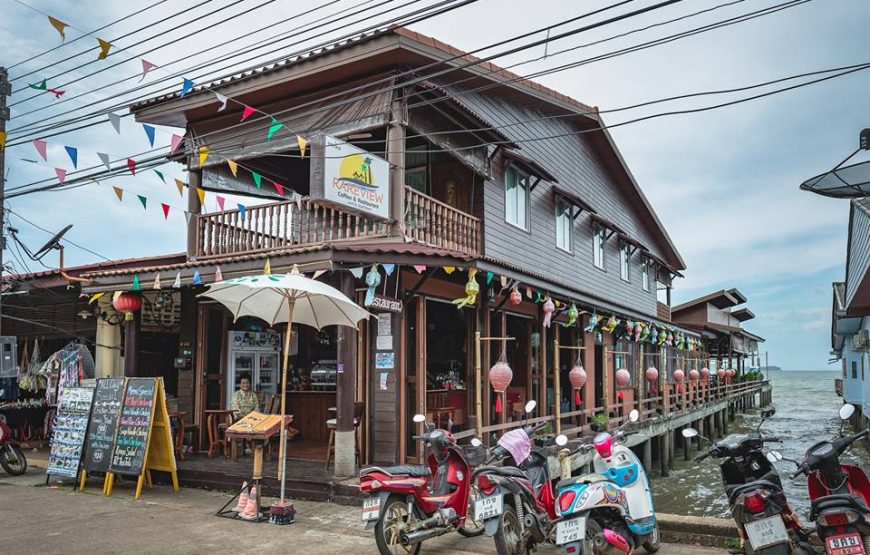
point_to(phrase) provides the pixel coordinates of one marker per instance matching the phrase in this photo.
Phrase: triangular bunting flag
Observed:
(174, 142)
(180, 184)
(177, 283)
(222, 99)
(146, 67)
(104, 158)
(357, 272)
(528, 292)
(267, 269)
(95, 297)
(73, 155)
(276, 125)
(59, 25)
(220, 201)
(116, 294)
(201, 194)
(233, 167)
(318, 273)
(419, 268)
(40, 146)
(160, 175)
(149, 130)
(449, 270)
(187, 216)
(186, 85)
(2, 140)
(279, 188)
(504, 281)
(61, 174)
(131, 164)
(165, 210)
(119, 192)
(136, 285)
(218, 275)
(197, 279)
(242, 209)
(104, 49)
(246, 113)
(144, 201)
(39, 86)
(302, 144)
(203, 155)
(389, 268)
(116, 122)
(299, 202)
(57, 93)
(257, 178)
(489, 276)
(157, 282)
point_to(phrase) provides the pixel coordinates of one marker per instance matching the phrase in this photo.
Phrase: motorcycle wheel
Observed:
(472, 528)
(509, 538)
(12, 460)
(393, 516)
(651, 545)
(593, 527)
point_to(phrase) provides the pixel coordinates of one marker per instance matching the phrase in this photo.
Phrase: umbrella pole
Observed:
(282, 450)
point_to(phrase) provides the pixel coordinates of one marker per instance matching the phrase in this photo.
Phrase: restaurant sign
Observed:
(386, 304)
(349, 177)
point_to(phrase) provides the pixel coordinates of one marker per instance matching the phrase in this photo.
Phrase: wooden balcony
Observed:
(285, 225)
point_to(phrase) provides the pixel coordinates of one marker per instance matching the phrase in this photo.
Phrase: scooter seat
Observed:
(416, 471)
(750, 486)
(843, 500)
(582, 479)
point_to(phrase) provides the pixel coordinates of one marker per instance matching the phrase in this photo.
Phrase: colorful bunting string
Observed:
(149, 131)
(203, 155)
(131, 164)
(165, 210)
(104, 49)
(180, 184)
(146, 67)
(257, 178)
(174, 142)
(73, 153)
(59, 25)
(61, 174)
(233, 167)
(144, 201)
(160, 175)
(40, 146)
(115, 119)
(186, 85)
(222, 99)
(119, 192)
(247, 112)
(273, 128)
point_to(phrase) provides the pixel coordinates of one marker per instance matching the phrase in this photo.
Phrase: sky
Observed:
(723, 182)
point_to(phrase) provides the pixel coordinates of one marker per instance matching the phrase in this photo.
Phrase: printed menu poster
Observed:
(70, 428)
(134, 427)
(104, 423)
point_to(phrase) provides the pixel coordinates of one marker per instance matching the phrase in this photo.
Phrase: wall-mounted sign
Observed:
(350, 177)
(386, 304)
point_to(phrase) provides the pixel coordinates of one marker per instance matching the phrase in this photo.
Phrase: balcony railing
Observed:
(285, 225)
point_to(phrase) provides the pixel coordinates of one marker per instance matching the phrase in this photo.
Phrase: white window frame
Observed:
(625, 262)
(564, 225)
(598, 233)
(645, 274)
(523, 179)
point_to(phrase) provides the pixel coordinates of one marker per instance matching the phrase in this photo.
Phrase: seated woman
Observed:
(245, 401)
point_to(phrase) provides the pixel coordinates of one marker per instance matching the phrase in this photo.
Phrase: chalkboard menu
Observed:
(104, 423)
(69, 433)
(134, 426)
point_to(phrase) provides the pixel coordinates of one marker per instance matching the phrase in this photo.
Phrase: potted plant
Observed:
(598, 422)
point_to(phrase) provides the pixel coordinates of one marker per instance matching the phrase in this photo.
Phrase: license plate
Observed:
(371, 508)
(848, 544)
(488, 507)
(765, 532)
(573, 530)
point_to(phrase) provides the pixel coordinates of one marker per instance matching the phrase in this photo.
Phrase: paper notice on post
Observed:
(385, 342)
(385, 324)
(384, 376)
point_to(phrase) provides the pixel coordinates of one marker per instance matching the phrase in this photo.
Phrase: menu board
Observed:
(134, 427)
(104, 423)
(70, 428)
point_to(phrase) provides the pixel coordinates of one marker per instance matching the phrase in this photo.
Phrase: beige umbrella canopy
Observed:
(291, 298)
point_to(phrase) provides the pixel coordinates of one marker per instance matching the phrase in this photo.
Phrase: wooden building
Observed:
(481, 171)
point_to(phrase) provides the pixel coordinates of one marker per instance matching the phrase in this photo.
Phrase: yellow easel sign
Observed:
(143, 441)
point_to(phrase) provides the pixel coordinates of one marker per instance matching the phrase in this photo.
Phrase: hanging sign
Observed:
(70, 428)
(350, 177)
(382, 303)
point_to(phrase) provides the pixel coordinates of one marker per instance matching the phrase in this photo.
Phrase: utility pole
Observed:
(5, 90)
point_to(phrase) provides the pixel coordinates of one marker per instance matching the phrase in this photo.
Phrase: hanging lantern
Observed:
(623, 377)
(678, 378)
(652, 376)
(516, 297)
(549, 308)
(629, 327)
(573, 314)
(577, 377)
(500, 376)
(128, 303)
(705, 374)
(610, 325)
(694, 375)
(721, 373)
(654, 335)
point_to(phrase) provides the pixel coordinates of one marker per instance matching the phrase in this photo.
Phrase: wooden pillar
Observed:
(647, 456)
(131, 345)
(345, 436)
(664, 450)
(607, 374)
(723, 417)
(396, 158)
(671, 451)
(194, 208)
(686, 442)
(589, 365)
(542, 364)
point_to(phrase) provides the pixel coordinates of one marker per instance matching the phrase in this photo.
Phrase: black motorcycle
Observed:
(758, 504)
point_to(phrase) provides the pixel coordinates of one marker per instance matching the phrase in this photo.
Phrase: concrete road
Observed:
(39, 519)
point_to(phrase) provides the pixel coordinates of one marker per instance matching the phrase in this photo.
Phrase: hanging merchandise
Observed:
(652, 376)
(629, 327)
(619, 330)
(548, 308)
(516, 297)
(471, 290)
(645, 331)
(449, 269)
(528, 292)
(127, 303)
(577, 377)
(610, 325)
(638, 329)
(373, 279)
(663, 337)
(654, 335)
(669, 339)
(594, 320)
(678, 378)
(573, 314)
(538, 298)
(500, 376)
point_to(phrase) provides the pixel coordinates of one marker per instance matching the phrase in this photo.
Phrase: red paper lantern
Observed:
(500, 376)
(678, 378)
(516, 297)
(721, 373)
(731, 373)
(694, 375)
(652, 376)
(623, 377)
(577, 377)
(128, 303)
(705, 374)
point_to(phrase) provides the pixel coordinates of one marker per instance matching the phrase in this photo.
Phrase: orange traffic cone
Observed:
(250, 512)
(243, 498)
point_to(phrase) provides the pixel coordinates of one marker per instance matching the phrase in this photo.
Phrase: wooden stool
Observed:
(330, 448)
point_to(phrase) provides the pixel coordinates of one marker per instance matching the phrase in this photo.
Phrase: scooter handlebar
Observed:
(802, 469)
(701, 457)
(771, 440)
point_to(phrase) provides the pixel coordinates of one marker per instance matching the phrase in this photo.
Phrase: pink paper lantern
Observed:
(731, 372)
(694, 375)
(500, 376)
(623, 377)
(577, 377)
(652, 374)
(721, 373)
(679, 376)
(705, 374)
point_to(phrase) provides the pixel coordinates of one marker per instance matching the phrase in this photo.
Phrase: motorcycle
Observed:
(610, 511)
(839, 493)
(517, 504)
(766, 522)
(408, 504)
(12, 458)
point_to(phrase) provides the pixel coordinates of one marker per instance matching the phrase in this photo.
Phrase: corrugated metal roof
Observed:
(95, 266)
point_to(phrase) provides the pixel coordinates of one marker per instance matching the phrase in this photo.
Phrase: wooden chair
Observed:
(331, 424)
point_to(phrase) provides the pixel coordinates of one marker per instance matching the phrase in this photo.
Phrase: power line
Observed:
(64, 239)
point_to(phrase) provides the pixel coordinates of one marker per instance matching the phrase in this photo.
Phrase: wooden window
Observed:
(645, 274)
(417, 168)
(854, 370)
(516, 197)
(563, 224)
(598, 246)
(625, 262)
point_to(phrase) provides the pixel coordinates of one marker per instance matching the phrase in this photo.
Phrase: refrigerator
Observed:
(257, 355)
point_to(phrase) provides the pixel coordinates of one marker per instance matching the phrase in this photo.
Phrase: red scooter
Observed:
(11, 456)
(408, 504)
(840, 494)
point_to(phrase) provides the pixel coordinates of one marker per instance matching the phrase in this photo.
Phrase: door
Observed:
(210, 361)
(415, 373)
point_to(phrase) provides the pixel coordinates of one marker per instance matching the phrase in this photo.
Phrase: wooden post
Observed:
(396, 158)
(664, 451)
(557, 390)
(131, 345)
(478, 407)
(345, 436)
(194, 182)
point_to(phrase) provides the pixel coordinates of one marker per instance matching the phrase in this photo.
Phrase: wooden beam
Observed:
(413, 291)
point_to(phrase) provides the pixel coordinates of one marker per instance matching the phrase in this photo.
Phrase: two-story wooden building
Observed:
(400, 156)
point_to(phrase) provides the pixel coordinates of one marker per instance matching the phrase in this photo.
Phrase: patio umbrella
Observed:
(291, 298)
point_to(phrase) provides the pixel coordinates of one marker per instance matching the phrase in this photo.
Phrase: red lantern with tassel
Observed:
(500, 376)
(705, 375)
(678, 378)
(694, 375)
(127, 303)
(652, 376)
(516, 297)
(721, 373)
(577, 377)
(623, 378)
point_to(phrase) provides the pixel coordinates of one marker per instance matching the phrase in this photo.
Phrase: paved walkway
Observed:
(39, 519)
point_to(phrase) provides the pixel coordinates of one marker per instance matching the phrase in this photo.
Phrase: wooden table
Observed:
(179, 439)
(214, 417)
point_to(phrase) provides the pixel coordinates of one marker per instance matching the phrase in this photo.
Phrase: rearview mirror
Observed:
(767, 413)
(476, 442)
(633, 416)
(530, 406)
(689, 433)
(846, 411)
(419, 418)
(561, 440)
(774, 456)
